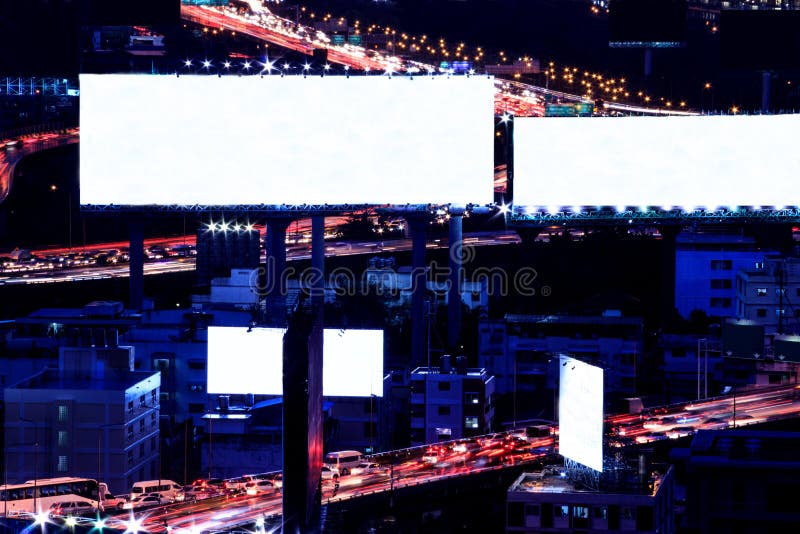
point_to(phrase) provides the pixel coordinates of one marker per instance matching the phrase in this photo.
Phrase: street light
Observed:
(35, 460)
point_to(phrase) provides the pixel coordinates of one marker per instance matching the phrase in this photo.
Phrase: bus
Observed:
(37, 495)
(343, 460)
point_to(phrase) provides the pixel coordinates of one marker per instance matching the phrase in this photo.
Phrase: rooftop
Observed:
(618, 479)
(116, 380)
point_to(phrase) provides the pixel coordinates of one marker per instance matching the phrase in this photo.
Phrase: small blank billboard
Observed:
(250, 360)
(253, 140)
(671, 162)
(352, 363)
(245, 360)
(580, 413)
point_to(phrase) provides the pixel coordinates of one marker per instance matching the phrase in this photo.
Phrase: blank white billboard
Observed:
(231, 140)
(242, 361)
(580, 413)
(669, 162)
(352, 363)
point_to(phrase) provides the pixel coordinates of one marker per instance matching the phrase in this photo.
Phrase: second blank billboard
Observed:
(250, 360)
(666, 162)
(251, 140)
(580, 413)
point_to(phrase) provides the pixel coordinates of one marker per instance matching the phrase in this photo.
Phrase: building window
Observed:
(761, 312)
(141, 401)
(130, 431)
(561, 511)
(197, 407)
(63, 438)
(444, 386)
(63, 413)
(153, 419)
(780, 311)
(721, 265)
(63, 464)
(130, 457)
(153, 444)
(197, 388)
(141, 425)
(197, 365)
(130, 406)
(154, 397)
(470, 422)
(470, 397)
(761, 291)
(627, 513)
(721, 283)
(719, 302)
(601, 512)
(443, 410)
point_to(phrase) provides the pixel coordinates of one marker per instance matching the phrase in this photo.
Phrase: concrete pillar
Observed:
(667, 285)
(302, 423)
(418, 226)
(136, 265)
(275, 282)
(455, 255)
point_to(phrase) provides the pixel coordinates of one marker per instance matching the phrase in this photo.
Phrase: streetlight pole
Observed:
(35, 461)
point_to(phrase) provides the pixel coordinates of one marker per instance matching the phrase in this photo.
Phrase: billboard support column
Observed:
(455, 254)
(276, 269)
(136, 265)
(418, 225)
(667, 283)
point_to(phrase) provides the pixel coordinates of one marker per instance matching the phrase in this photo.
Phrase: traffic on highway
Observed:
(250, 500)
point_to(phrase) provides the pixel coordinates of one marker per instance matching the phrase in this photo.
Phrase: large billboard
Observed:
(646, 23)
(580, 413)
(672, 162)
(250, 360)
(272, 139)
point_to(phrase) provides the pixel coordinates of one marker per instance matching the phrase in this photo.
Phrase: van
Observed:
(166, 488)
(343, 461)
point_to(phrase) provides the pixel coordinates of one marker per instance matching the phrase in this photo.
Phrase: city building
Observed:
(32, 343)
(706, 267)
(768, 293)
(90, 418)
(742, 481)
(521, 351)
(450, 402)
(628, 500)
(692, 365)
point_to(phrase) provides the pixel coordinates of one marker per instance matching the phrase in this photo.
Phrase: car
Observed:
(144, 501)
(111, 502)
(330, 473)
(367, 468)
(236, 485)
(195, 493)
(276, 479)
(257, 487)
(70, 508)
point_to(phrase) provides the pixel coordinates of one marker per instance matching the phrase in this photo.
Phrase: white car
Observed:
(144, 501)
(72, 508)
(111, 502)
(367, 468)
(330, 473)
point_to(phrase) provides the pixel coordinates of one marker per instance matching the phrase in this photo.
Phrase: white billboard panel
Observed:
(669, 162)
(242, 360)
(231, 140)
(352, 363)
(580, 413)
